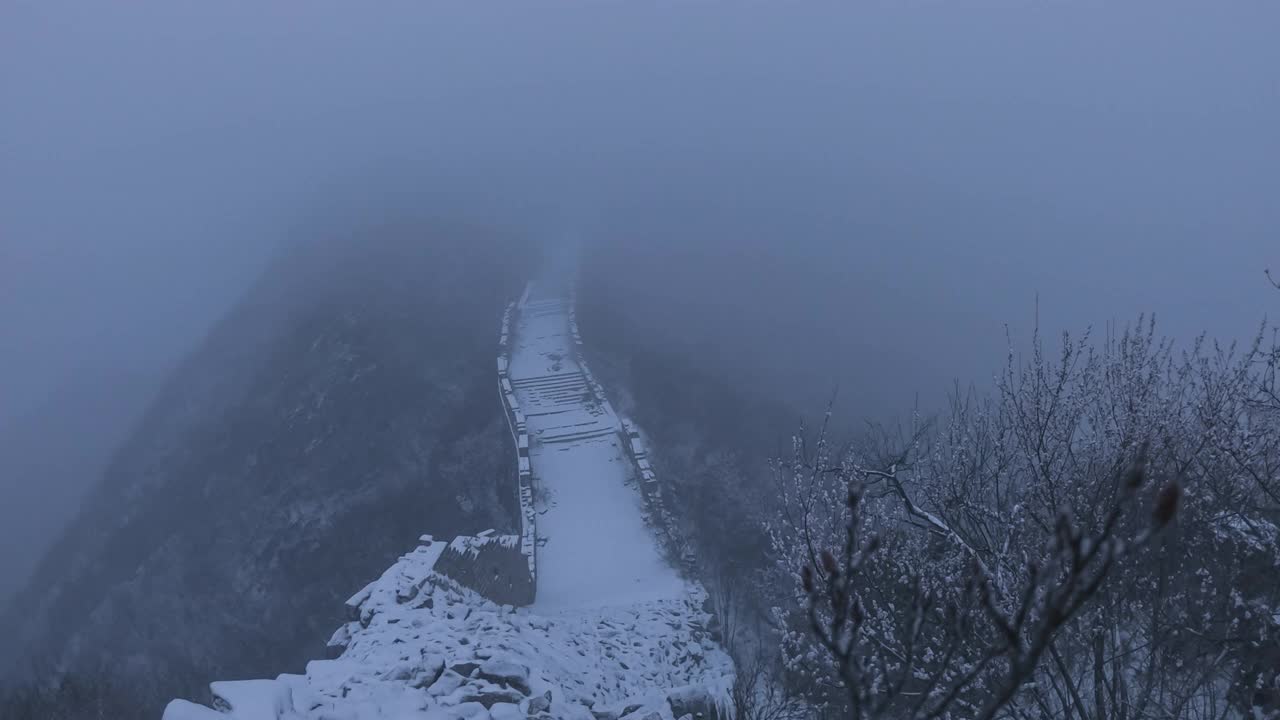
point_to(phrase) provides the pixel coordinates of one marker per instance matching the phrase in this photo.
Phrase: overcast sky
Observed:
(856, 192)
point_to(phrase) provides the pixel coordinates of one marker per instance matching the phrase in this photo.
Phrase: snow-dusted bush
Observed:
(991, 523)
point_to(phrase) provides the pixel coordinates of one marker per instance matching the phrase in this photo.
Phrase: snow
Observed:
(252, 698)
(184, 710)
(594, 547)
(422, 646)
(596, 550)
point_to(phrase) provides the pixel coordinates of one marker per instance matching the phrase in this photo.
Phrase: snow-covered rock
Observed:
(449, 653)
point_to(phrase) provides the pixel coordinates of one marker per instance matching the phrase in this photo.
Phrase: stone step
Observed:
(549, 380)
(579, 436)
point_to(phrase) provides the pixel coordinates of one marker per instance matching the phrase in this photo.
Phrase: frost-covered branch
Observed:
(1016, 637)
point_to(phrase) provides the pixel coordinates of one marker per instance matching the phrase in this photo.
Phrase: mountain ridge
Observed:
(229, 526)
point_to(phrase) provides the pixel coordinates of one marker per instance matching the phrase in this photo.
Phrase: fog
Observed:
(819, 194)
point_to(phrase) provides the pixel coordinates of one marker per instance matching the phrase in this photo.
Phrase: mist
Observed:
(814, 196)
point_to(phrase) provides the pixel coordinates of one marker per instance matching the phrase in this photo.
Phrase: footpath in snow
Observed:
(594, 548)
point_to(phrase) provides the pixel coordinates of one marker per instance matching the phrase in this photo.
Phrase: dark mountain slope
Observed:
(51, 455)
(345, 407)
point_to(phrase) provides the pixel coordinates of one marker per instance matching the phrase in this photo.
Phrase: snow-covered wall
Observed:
(491, 565)
(632, 440)
(520, 442)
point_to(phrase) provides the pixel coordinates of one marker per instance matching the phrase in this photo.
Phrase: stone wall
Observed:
(520, 442)
(493, 566)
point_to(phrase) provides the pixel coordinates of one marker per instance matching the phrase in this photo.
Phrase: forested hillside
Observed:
(343, 408)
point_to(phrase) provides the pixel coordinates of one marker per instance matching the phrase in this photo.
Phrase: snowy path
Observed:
(595, 548)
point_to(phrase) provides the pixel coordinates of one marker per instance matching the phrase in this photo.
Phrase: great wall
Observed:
(580, 615)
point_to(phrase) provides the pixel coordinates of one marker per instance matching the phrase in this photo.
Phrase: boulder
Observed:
(446, 683)
(470, 711)
(506, 711)
(402, 671)
(338, 642)
(406, 594)
(540, 704)
(493, 695)
(252, 699)
(183, 710)
(507, 673)
(429, 672)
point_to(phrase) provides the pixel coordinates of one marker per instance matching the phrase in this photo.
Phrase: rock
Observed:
(693, 701)
(505, 672)
(252, 698)
(403, 671)
(430, 671)
(630, 709)
(604, 714)
(353, 604)
(540, 704)
(446, 683)
(338, 643)
(470, 711)
(491, 697)
(506, 711)
(183, 710)
(464, 669)
(405, 594)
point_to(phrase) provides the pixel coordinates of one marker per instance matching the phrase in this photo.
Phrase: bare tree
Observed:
(1012, 641)
(961, 509)
(757, 695)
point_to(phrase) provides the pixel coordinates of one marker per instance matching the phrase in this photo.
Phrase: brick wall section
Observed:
(520, 441)
(493, 566)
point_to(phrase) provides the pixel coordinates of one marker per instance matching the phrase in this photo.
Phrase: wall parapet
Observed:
(633, 444)
(491, 565)
(519, 440)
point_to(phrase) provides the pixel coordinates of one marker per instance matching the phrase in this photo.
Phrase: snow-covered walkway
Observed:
(595, 549)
